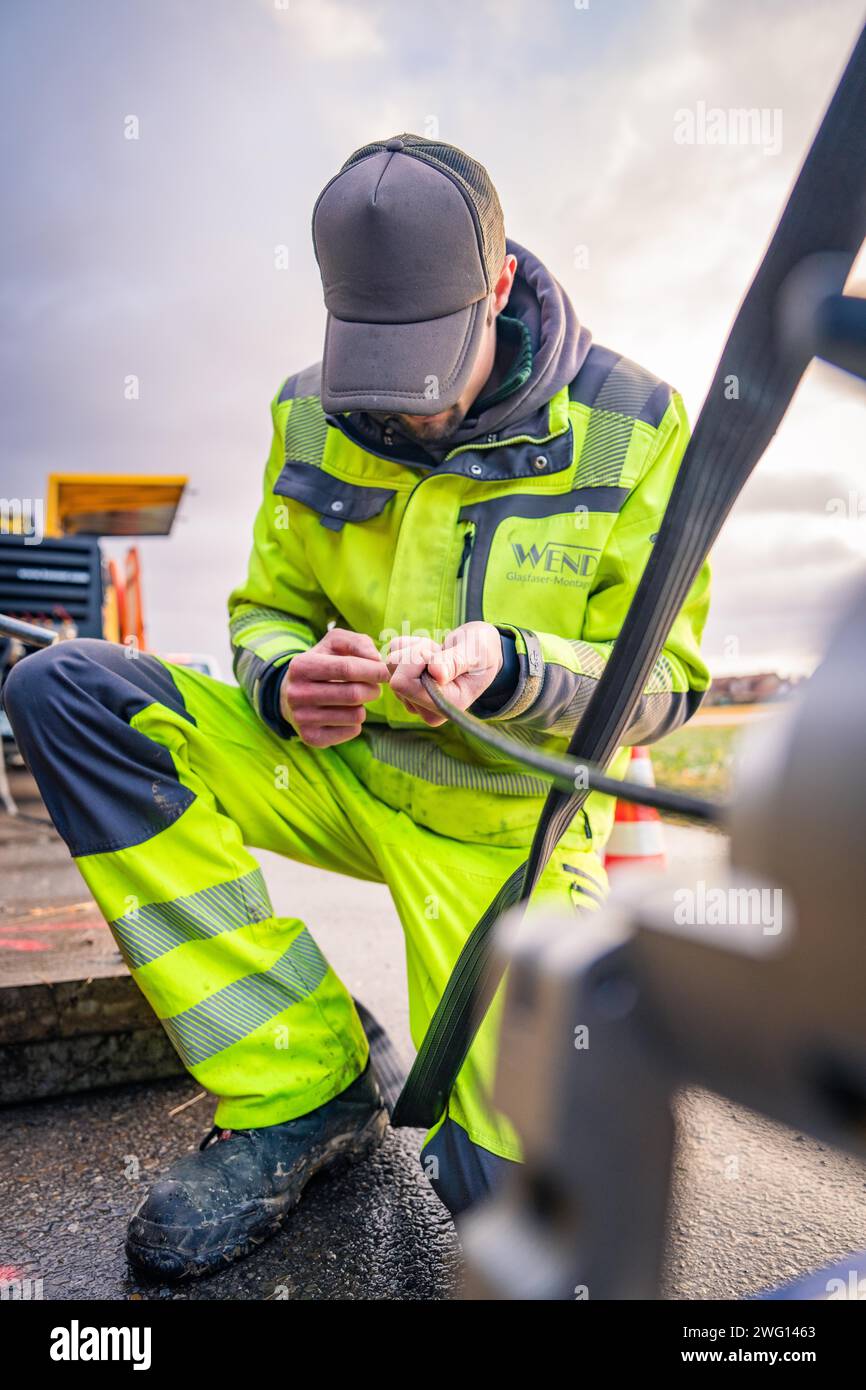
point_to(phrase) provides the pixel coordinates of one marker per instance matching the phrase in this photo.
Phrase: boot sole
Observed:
(197, 1251)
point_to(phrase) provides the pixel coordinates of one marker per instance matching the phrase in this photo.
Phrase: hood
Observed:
(559, 348)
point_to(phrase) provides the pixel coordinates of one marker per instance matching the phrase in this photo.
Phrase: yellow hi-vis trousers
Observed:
(161, 779)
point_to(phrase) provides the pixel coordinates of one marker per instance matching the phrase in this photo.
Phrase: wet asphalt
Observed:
(70, 1170)
(755, 1205)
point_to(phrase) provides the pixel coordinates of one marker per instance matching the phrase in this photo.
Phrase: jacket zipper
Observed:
(463, 572)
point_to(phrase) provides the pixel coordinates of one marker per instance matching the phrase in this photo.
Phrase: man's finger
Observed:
(311, 692)
(314, 717)
(346, 643)
(446, 666)
(406, 681)
(325, 666)
(404, 641)
(431, 717)
(402, 668)
(411, 658)
(409, 690)
(326, 735)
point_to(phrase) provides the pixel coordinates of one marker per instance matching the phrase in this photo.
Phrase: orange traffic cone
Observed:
(637, 838)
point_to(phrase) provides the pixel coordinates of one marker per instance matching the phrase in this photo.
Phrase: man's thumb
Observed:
(444, 667)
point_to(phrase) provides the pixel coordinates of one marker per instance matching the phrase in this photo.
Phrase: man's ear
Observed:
(502, 288)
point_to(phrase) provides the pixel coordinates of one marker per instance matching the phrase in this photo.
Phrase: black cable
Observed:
(569, 775)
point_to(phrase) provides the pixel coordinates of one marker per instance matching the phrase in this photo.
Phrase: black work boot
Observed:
(215, 1206)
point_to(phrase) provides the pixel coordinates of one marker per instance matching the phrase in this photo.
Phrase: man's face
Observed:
(428, 429)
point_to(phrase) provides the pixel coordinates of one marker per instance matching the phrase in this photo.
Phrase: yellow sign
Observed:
(112, 504)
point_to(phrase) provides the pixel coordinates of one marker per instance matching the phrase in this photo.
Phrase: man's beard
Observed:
(428, 430)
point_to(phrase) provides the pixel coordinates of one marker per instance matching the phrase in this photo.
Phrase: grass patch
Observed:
(696, 760)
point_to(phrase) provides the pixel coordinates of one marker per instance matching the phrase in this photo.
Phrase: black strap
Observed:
(753, 385)
(384, 1059)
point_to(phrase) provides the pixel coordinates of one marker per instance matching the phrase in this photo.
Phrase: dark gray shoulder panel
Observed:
(653, 411)
(608, 381)
(596, 368)
(305, 383)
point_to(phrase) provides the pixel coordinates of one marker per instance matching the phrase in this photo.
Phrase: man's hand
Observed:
(325, 689)
(463, 666)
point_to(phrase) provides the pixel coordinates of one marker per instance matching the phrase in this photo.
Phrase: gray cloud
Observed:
(155, 257)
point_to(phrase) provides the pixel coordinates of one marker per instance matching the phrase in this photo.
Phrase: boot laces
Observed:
(215, 1135)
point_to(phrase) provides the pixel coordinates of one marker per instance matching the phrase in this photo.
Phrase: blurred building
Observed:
(755, 689)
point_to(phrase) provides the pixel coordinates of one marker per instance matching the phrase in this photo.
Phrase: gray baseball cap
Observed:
(410, 241)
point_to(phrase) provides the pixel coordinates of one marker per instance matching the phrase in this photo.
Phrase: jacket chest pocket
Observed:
(532, 560)
(336, 501)
(348, 566)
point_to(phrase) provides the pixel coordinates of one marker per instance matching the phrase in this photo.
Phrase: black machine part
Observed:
(767, 1011)
(52, 579)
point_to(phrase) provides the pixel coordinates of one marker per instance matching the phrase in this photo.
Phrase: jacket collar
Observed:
(545, 425)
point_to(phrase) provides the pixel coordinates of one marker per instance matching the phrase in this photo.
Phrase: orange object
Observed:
(637, 838)
(114, 605)
(133, 617)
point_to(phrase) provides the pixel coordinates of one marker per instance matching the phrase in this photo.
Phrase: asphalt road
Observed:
(71, 1169)
(755, 1205)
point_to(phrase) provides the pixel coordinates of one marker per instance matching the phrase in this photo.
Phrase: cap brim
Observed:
(406, 368)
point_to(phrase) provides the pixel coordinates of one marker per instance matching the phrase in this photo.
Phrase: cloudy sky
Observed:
(155, 257)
